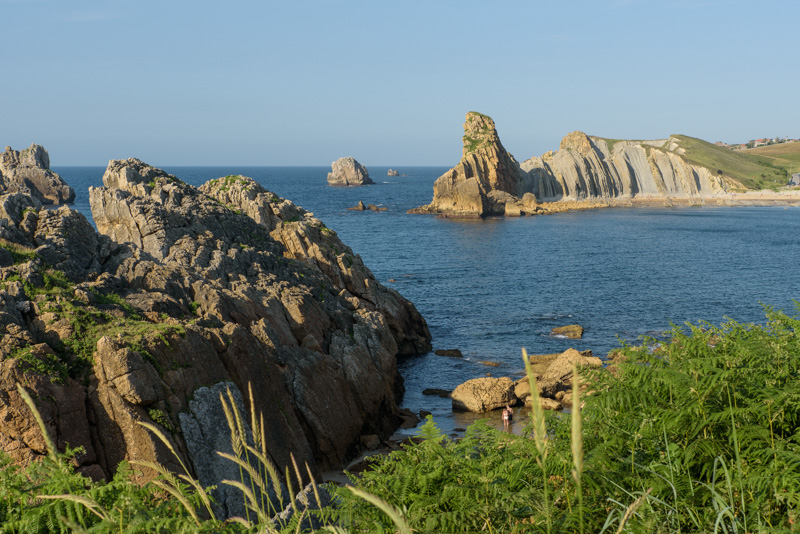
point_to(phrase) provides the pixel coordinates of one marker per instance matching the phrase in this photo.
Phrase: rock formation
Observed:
(348, 172)
(553, 377)
(184, 288)
(484, 181)
(591, 167)
(29, 172)
(489, 181)
(392, 172)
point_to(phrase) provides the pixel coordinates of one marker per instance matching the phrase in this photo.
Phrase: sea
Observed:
(491, 287)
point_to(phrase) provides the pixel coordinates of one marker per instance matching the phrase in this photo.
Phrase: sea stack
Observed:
(28, 171)
(348, 172)
(484, 181)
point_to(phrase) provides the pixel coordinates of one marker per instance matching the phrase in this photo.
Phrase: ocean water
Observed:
(490, 287)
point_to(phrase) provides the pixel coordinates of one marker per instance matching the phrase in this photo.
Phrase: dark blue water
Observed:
(490, 287)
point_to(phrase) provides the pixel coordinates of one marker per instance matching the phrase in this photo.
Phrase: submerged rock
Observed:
(571, 331)
(348, 172)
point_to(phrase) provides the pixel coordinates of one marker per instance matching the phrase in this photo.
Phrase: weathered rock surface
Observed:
(486, 178)
(588, 167)
(28, 172)
(348, 172)
(571, 331)
(590, 170)
(183, 288)
(554, 373)
(483, 394)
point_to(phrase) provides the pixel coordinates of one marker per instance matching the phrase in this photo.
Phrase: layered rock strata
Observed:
(183, 288)
(28, 172)
(586, 172)
(348, 172)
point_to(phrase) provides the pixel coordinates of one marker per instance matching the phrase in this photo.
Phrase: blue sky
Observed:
(305, 82)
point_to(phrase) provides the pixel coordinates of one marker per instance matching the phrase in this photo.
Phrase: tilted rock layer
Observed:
(489, 181)
(29, 172)
(183, 288)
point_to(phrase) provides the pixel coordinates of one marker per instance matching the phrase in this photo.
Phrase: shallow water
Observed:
(490, 287)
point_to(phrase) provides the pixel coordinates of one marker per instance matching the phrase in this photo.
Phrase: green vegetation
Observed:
(752, 170)
(701, 434)
(783, 155)
(471, 144)
(20, 253)
(698, 435)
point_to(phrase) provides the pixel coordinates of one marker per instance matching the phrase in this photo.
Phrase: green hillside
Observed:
(753, 170)
(785, 155)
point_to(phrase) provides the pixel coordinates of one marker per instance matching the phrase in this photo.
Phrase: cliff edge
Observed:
(182, 294)
(595, 171)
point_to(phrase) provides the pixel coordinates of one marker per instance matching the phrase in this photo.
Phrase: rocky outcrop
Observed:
(554, 377)
(484, 181)
(392, 172)
(595, 171)
(571, 331)
(483, 394)
(553, 374)
(28, 172)
(348, 172)
(594, 168)
(185, 288)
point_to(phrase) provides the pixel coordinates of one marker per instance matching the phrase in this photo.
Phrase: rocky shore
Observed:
(585, 173)
(181, 294)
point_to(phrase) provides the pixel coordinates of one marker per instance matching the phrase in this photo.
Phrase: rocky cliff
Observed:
(489, 181)
(484, 181)
(29, 172)
(591, 167)
(181, 288)
(348, 172)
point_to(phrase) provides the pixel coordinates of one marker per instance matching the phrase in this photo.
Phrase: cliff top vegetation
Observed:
(752, 170)
(786, 155)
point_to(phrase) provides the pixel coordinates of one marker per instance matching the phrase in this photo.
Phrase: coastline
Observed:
(748, 198)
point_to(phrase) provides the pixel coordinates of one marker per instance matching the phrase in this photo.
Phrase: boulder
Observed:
(348, 172)
(28, 172)
(483, 394)
(571, 331)
(554, 371)
(451, 353)
(392, 172)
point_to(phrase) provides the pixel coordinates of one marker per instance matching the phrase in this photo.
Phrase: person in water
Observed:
(508, 414)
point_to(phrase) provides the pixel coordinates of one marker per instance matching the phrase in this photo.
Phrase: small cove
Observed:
(490, 287)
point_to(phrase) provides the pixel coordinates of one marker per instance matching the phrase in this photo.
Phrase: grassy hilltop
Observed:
(785, 155)
(761, 168)
(751, 169)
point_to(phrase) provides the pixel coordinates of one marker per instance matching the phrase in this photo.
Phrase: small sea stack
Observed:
(348, 172)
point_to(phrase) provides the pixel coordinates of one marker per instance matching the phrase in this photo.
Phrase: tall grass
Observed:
(700, 434)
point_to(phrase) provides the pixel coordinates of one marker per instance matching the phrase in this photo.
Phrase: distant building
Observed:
(795, 179)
